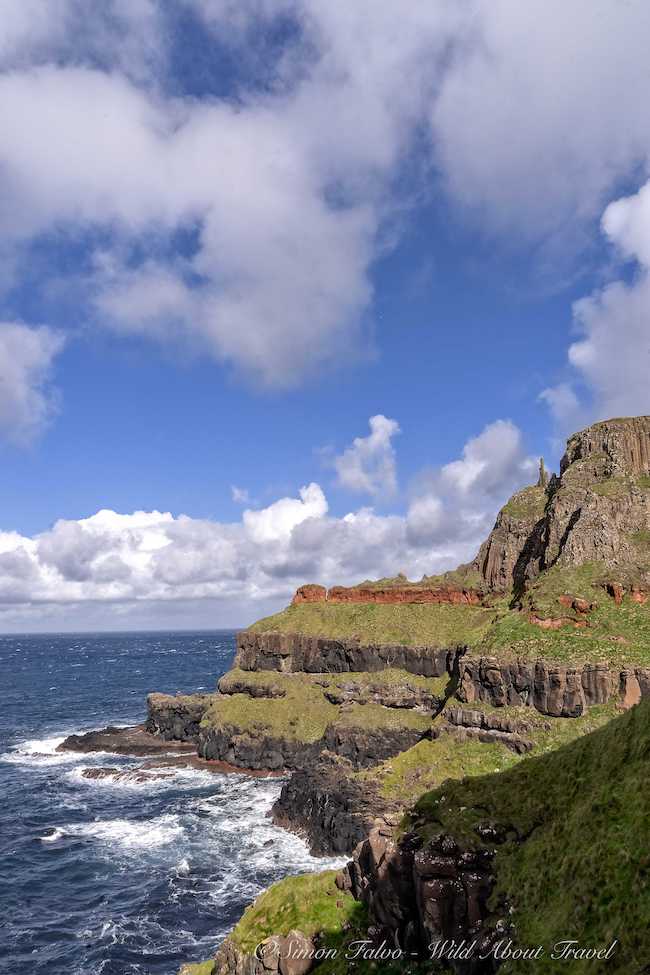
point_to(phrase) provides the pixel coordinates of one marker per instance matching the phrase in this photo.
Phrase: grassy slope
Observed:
(584, 870)
(408, 624)
(428, 764)
(303, 713)
(617, 634)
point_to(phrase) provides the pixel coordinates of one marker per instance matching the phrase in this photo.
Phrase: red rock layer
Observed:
(389, 594)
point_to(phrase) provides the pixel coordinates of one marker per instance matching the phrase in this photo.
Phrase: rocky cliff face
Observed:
(293, 652)
(555, 689)
(595, 511)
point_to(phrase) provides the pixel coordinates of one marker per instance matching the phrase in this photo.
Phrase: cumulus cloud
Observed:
(368, 465)
(284, 212)
(26, 358)
(611, 357)
(146, 563)
(455, 504)
(286, 186)
(535, 119)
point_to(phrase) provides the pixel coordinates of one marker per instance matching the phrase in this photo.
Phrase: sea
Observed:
(99, 877)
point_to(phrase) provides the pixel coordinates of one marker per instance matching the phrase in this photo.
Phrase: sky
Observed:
(299, 291)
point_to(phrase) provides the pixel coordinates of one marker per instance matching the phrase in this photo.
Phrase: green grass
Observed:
(616, 634)
(310, 903)
(370, 623)
(301, 715)
(527, 505)
(304, 713)
(375, 717)
(613, 487)
(583, 869)
(429, 763)
(362, 679)
(200, 968)
(642, 538)
(644, 482)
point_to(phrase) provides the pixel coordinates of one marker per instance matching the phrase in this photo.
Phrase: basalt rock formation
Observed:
(297, 653)
(593, 512)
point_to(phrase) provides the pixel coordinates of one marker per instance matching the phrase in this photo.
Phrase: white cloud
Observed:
(612, 355)
(491, 461)
(26, 358)
(280, 518)
(140, 566)
(286, 210)
(542, 110)
(368, 465)
(455, 504)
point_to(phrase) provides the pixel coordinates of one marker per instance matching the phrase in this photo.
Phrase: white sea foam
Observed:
(174, 778)
(40, 751)
(126, 833)
(57, 834)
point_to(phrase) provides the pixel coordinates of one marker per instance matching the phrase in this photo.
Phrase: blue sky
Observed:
(235, 233)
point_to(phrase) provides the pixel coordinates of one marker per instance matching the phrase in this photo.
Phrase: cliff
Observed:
(596, 511)
(552, 850)
(373, 695)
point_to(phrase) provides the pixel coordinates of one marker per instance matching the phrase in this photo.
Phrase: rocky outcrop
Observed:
(293, 652)
(252, 748)
(328, 807)
(409, 593)
(396, 694)
(419, 894)
(559, 690)
(515, 538)
(309, 594)
(290, 954)
(176, 717)
(232, 684)
(135, 740)
(489, 728)
(590, 513)
(364, 747)
(624, 444)
(247, 748)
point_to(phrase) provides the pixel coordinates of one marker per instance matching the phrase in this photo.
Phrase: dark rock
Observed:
(176, 717)
(289, 652)
(123, 741)
(328, 807)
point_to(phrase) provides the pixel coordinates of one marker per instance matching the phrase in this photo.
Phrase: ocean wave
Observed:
(125, 833)
(171, 778)
(40, 751)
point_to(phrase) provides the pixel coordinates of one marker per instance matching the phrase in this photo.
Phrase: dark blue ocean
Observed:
(99, 877)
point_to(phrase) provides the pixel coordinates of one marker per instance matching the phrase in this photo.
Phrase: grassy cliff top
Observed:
(575, 860)
(614, 634)
(310, 903)
(371, 623)
(527, 504)
(303, 713)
